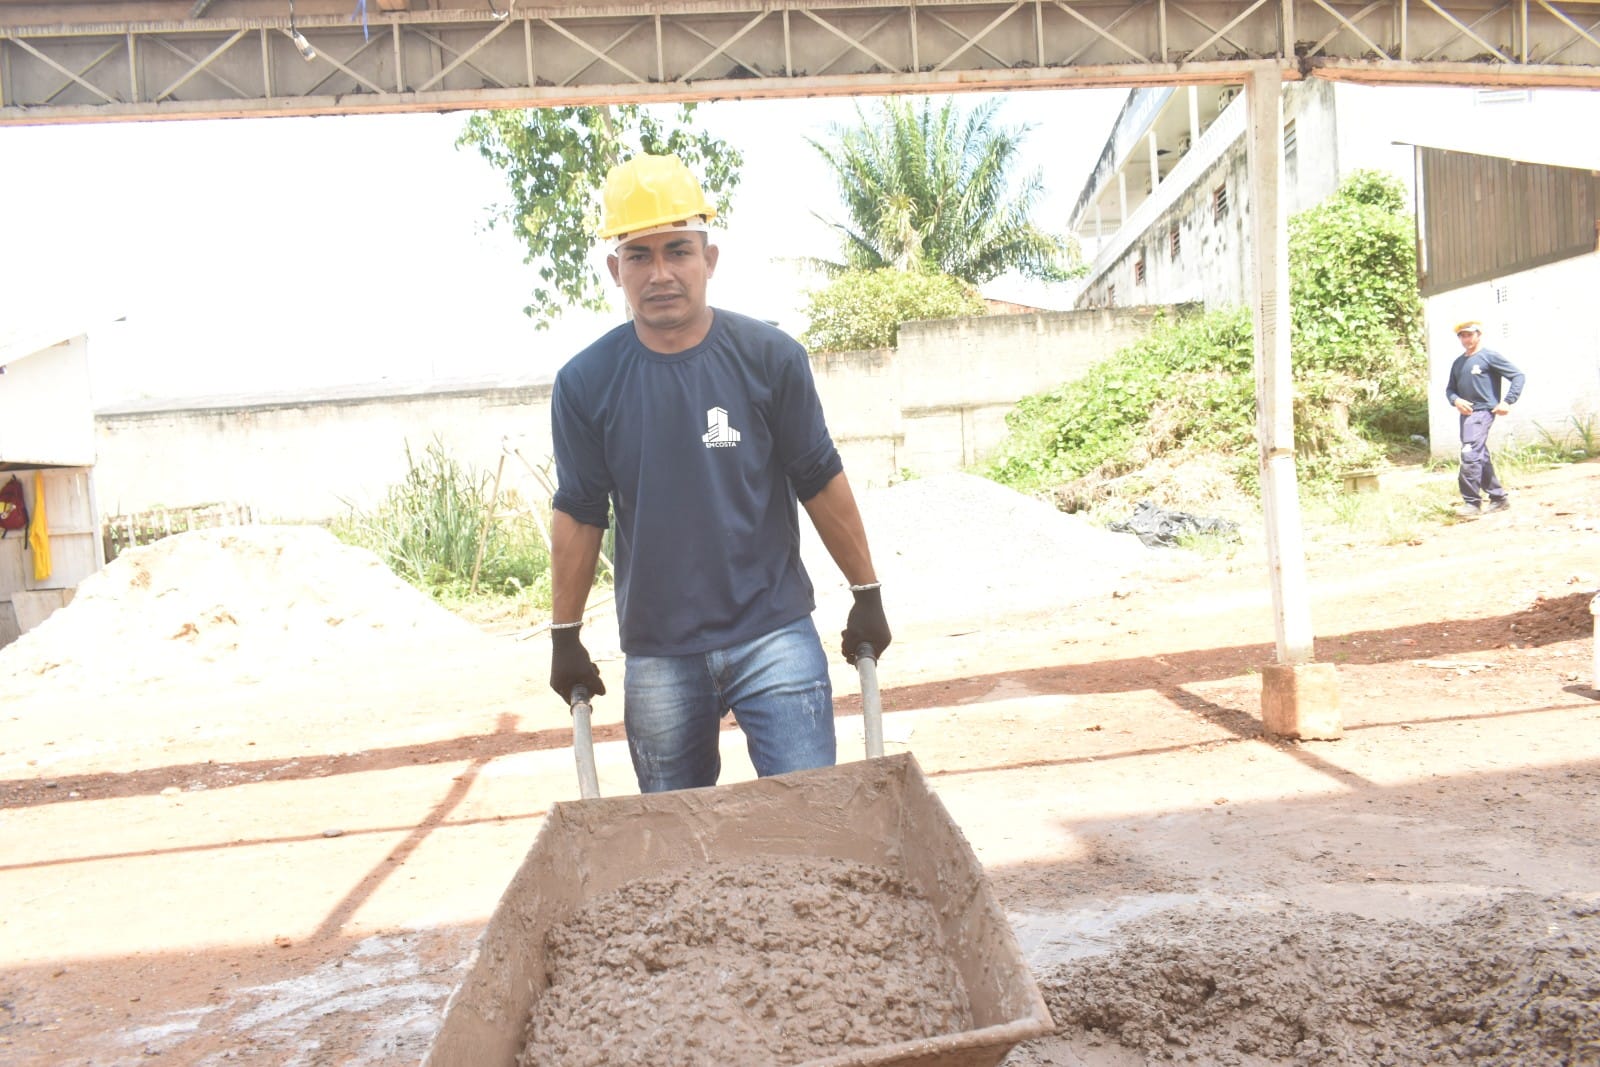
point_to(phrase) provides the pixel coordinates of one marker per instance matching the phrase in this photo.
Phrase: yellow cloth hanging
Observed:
(39, 531)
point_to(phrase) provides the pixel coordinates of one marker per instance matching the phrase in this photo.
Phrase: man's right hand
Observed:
(570, 665)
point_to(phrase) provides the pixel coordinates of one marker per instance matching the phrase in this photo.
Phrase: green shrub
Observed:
(426, 529)
(1189, 384)
(864, 309)
(1188, 388)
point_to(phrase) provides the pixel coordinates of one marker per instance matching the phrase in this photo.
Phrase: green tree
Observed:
(1353, 275)
(1354, 308)
(555, 160)
(930, 189)
(864, 309)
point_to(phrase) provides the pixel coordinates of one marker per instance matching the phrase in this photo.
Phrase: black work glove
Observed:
(866, 625)
(570, 665)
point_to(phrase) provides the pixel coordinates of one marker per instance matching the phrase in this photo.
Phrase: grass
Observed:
(431, 528)
(1416, 498)
(1580, 443)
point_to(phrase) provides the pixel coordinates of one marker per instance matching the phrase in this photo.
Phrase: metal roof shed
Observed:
(47, 443)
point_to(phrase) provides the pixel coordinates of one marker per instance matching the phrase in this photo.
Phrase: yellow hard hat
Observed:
(648, 192)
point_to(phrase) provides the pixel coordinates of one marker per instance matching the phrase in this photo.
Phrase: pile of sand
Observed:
(956, 548)
(774, 961)
(215, 605)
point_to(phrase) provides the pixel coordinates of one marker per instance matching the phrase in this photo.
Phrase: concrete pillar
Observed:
(1194, 116)
(1301, 701)
(1280, 491)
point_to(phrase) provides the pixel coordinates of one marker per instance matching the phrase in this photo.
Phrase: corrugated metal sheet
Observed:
(1483, 217)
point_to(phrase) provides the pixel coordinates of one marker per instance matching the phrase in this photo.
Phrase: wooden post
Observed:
(483, 531)
(545, 484)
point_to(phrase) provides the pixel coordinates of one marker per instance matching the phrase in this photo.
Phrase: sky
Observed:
(292, 255)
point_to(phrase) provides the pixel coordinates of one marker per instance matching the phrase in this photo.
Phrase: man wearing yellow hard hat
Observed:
(1477, 380)
(701, 431)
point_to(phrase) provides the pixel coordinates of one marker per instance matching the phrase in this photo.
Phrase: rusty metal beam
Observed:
(129, 61)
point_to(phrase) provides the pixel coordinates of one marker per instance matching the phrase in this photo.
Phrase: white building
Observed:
(1166, 211)
(1511, 241)
(47, 444)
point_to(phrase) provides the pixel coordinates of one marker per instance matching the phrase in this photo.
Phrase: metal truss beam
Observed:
(201, 67)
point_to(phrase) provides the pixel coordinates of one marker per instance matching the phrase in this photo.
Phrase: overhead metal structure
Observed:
(95, 61)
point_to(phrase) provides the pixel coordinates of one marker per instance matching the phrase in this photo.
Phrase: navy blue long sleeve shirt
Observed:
(1478, 380)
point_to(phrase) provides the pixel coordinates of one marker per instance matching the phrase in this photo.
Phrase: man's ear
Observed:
(712, 251)
(611, 265)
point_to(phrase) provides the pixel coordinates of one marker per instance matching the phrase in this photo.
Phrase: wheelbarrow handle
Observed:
(871, 705)
(583, 744)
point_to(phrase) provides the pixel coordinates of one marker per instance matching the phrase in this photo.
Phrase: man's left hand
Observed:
(866, 625)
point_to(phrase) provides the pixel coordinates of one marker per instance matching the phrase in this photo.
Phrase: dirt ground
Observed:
(283, 858)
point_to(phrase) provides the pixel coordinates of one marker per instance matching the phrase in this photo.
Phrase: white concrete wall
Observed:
(1538, 319)
(1320, 159)
(937, 403)
(860, 394)
(45, 414)
(1212, 265)
(302, 462)
(959, 378)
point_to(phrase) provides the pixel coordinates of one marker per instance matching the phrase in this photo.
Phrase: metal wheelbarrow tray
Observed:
(877, 811)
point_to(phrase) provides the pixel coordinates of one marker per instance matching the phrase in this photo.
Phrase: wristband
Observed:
(865, 588)
(566, 625)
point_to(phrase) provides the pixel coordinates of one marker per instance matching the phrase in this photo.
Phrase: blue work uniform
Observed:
(1478, 379)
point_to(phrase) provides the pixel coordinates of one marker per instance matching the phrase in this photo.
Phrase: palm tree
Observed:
(927, 190)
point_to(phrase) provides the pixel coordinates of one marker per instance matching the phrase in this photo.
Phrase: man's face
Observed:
(1470, 339)
(663, 276)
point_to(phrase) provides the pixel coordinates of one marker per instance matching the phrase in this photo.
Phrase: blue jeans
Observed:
(776, 686)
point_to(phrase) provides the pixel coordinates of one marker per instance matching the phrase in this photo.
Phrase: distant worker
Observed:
(1475, 385)
(700, 429)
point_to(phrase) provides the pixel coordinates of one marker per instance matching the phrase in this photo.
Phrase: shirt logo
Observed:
(718, 433)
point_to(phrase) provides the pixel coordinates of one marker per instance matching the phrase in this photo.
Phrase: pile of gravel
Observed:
(1511, 983)
(959, 548)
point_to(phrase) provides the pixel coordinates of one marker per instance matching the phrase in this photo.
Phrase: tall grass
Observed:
(426, 529)
(1580, 443)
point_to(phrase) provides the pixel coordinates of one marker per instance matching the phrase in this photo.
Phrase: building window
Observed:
(1502, 294)
(1111, 296)
(1138, 270)
(1219, 203)
(1174, 245)
(1291, 141)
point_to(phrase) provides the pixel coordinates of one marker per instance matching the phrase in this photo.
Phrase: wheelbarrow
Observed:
(879, 811)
